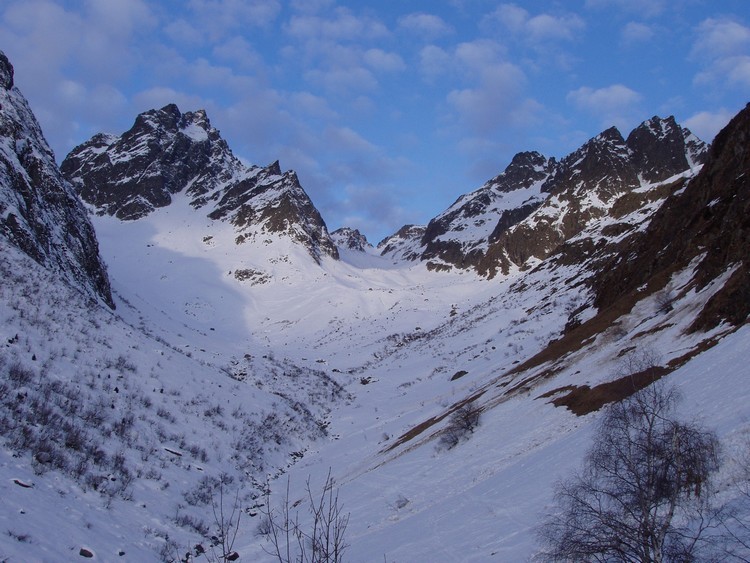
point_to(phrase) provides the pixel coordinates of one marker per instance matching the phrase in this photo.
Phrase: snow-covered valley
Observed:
(247, 358)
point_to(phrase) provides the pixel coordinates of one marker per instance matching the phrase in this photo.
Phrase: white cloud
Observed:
(729, 71)
(183, 32)
(720, 38)
(612, 104)
(723, 48)
(312, 105)
(378, 59)
(120, 17)
(433, 61)
(495, 101)
(637, 32)
(343, 81)
(342, 25)
(480, 55)
(428, 26)
(237, 50)
(707, 124)
(310, 6)
(542, 28)
(644, 8)
(218, 16)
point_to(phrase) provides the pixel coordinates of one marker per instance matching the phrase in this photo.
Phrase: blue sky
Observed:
(388, 110)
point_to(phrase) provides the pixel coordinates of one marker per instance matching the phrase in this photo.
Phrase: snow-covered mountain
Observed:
(238, 358)
(39, 211)
(167, 153)
(351, 239)
(537, 203)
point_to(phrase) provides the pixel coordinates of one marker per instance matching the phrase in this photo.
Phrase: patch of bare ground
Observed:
(583, 399)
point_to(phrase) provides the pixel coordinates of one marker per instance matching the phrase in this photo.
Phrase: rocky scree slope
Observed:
(538, 203)
(166, 153)
(39, 211)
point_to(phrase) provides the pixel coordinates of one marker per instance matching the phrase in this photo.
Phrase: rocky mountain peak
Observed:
(661, 148)
(168, 152)
(350, 239)
(6, 72)
(163, 153)
(538, 203)
(601, 164)
(524, 169)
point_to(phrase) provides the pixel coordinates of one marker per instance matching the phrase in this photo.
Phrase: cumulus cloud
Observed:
(723, 48)
(344, 80)
(637, 32)
(645, 8)
(493, 102)
(611, 104)
(240, 52)
(343, 24)
(218, 16)
(183, 32)
(480, 55)
(433, 61)
(311, 105)
(427, 26)
(707, 124)
(332, 51)
(721, 38)
(539, 29)
(384, 61)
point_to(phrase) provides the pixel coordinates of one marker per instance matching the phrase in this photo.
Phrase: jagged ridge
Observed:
(167, 152)
(538, 203)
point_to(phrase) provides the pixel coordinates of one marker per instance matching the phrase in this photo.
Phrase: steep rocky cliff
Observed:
(39, 211)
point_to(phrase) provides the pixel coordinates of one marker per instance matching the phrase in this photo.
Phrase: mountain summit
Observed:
(538, 203)
(166, 153)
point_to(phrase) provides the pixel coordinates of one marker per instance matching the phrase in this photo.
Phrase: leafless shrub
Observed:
(462, 423)
(321, 541)
(20, 375)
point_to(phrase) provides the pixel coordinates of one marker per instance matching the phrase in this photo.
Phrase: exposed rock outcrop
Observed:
(40, 212)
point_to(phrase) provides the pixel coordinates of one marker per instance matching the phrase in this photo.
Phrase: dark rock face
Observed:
(39, 210)
(661, 148)
(350, 238)
(167, 152)
(711, 216)
(6, 72)
(163, 153)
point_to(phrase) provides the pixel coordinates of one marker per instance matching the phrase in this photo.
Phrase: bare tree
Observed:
(644, 494)
(322, 541)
